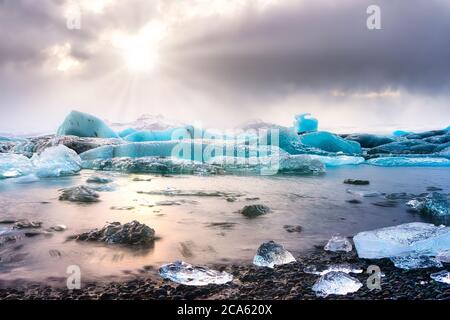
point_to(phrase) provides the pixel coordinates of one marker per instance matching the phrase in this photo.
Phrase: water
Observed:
(200, 230)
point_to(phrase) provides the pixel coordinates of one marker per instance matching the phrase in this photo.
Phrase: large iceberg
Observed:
(187, 274)
(330, 142)
(410, 238)
(305, 123)
(157, 135)
(85, 125)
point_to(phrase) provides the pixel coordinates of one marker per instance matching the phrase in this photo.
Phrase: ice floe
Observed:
(441, 276)
(415, 261)
(409, 162)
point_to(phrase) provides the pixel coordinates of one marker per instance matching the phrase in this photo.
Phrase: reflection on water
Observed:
(199, 228)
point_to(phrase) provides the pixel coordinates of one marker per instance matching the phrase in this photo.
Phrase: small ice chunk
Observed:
(270, 254)
(338, 243)
(336, 282)
(444, 256)
(415, 261)
(364, 193)
(435, 204)
(441, 276)
(347, 268)
(187, 274)
(404, 239)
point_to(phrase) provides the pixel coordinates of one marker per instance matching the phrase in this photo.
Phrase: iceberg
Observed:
(415, 261)
(441, 276)
(271, 254)
(336, 282)
(410, 238)
(435, 204)
(187, 274)
(305, 123)
(330, 142)
(369, 140)
(127, 132)
(338, 243)
(14, 165)
(409, 162)
(55, 162)
(400, 133)
(414, 146)
(85, 125)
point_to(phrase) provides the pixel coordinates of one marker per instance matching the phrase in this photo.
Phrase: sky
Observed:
(221, 63)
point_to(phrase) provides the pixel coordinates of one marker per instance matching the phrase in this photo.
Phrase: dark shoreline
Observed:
(287, 282)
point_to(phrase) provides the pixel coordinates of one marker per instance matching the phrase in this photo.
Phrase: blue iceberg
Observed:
(85, 125)
(127, 132)
(369, 140)
(157, 135)
(305, 123)
(409, 162)
(330, 142)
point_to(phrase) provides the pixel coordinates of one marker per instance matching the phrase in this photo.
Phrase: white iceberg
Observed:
(187, 274)
(410, 238)
(336, 282)
(270, 254)
(338, 243)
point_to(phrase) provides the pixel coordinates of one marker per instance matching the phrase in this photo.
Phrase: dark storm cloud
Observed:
(326, 45)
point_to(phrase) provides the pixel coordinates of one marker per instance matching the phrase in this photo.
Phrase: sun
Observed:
(141, 51)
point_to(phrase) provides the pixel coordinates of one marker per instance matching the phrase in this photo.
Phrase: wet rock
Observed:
(271, 254)
(255, 210)
(25, 224)
(357, 182)
(290, 228)
(79, 194)
(132, 233)
(221, 225)
(58, 228)
(99, 180)
(123, 208)
(354, 201)
(338, 243)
